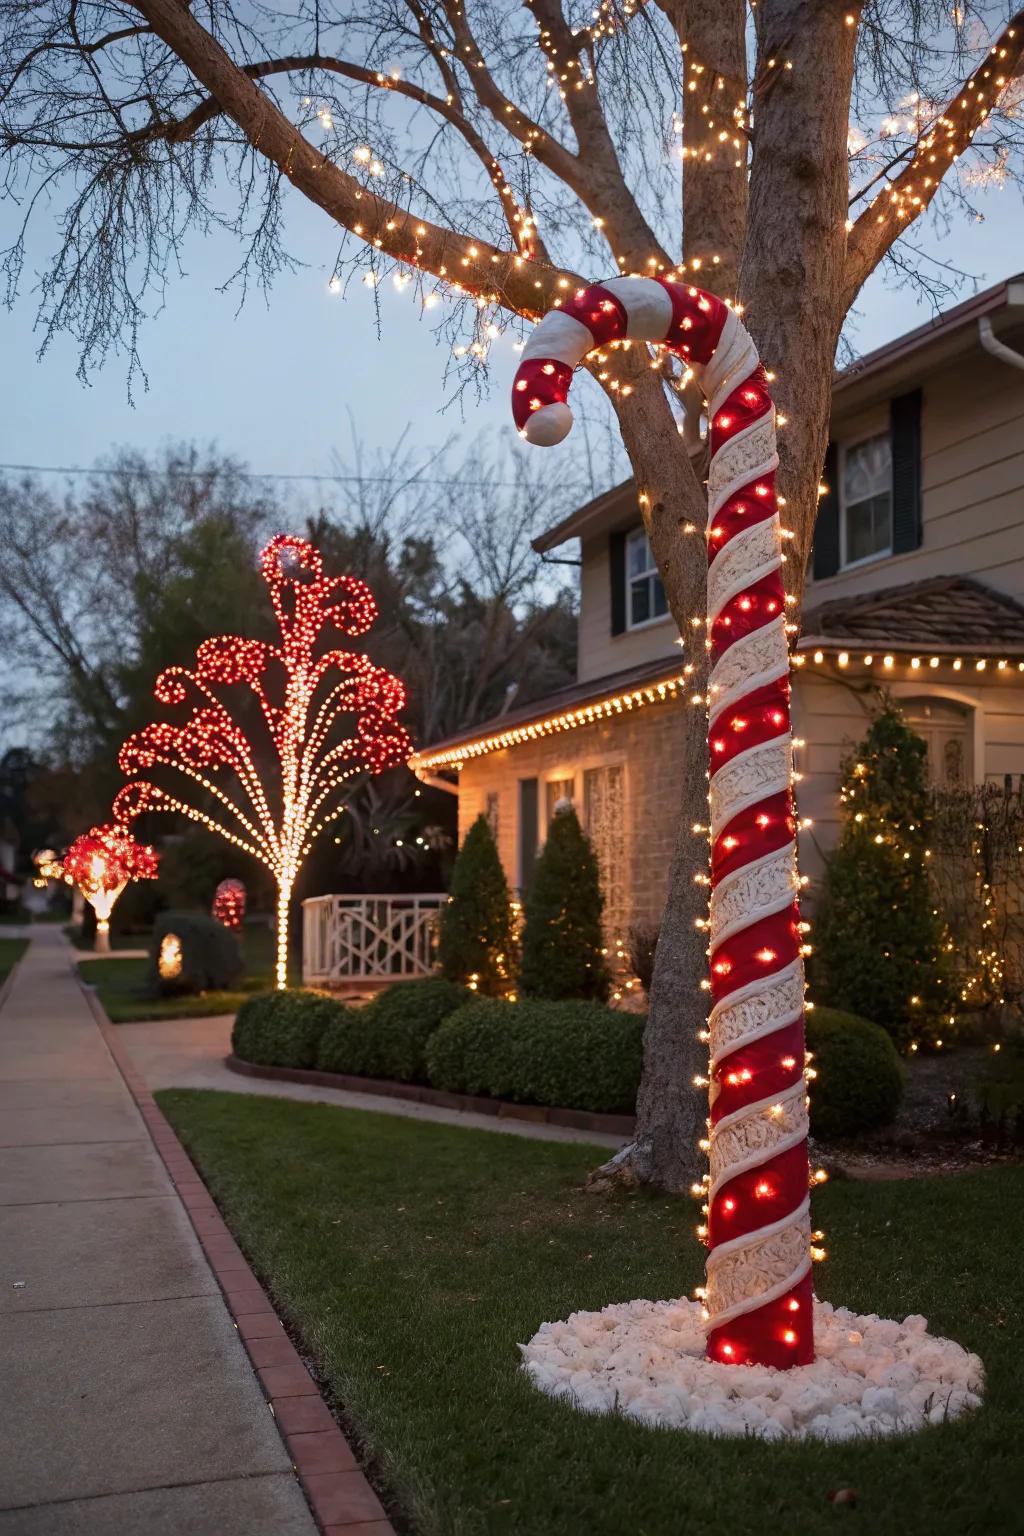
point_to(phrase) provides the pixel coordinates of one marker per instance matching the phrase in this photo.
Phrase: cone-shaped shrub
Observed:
(878, 936)
(476, 942)
(562, 936)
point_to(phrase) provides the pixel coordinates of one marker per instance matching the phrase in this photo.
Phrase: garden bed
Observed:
(419, 1093)
(410, 1259)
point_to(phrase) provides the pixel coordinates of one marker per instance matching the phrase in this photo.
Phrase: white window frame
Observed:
(650, 573)
(878, 554)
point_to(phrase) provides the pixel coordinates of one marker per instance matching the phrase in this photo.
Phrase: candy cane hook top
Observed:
(758, 1293)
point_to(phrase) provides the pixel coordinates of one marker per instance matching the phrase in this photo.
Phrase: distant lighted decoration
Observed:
(101, 863)
(229, 903)
(757, 1222)
(171, 958)
(275, 810)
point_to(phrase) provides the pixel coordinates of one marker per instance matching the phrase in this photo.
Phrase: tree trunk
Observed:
(284, 898)
(671, 1109)
(101, 943)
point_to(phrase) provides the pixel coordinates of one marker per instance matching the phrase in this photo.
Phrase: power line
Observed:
(248, 474)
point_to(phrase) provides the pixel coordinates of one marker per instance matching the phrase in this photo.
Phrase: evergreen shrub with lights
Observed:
(571, 1055)
(388, 1038)
(211, 959)
(879, 944)
(859, 1081)
(476, 940)
(284, 1029)
(563, 942)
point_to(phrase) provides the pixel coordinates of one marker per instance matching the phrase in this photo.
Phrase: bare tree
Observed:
(494, 150)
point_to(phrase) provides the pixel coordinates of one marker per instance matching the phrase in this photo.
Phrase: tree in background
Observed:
(170, 544)
(476, 942)
(563, 942)
(779, 154)
(304, 693)
(879, 942)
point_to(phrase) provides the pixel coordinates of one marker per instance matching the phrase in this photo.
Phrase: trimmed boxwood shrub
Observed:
(563, 943)
(283, 1029)
(860, 1079)
(387, 1038)
(573, 1055)
(211, 959)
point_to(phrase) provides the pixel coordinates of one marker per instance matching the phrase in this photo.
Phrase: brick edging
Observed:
(417, 1093)
(341, 1499)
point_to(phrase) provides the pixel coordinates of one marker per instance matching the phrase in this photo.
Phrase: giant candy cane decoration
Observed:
(758, 1293)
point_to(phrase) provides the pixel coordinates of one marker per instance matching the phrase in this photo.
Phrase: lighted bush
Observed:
(860, 1079)
(283, 1029)
(475, 933)
(563, 942)
(205, 958)
(387, 1038)
(572, 1055)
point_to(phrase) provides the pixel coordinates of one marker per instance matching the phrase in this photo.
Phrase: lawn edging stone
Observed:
(502, 1109)
(341, 1499)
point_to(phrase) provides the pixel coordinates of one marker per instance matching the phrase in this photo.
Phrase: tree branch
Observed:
(912, 191)
(712, 42)
(527, 287)
(450, 109)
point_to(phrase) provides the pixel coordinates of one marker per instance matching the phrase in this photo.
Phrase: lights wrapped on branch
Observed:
(303, 692)
(758, 1292)
(101, 863)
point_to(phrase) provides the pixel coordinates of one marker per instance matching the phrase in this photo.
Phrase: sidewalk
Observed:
(127, 1402)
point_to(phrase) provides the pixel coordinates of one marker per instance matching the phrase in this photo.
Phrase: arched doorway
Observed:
(948, 730)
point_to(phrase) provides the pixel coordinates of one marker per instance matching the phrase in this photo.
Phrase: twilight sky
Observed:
(274, 385)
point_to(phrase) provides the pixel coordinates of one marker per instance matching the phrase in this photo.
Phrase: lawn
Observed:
(121, 984)
(11, 951)
(410, 1258)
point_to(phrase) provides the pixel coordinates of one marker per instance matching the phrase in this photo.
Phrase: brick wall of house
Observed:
(648, 743)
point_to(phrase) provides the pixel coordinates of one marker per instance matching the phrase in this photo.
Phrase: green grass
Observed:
(121, 984)
(411, 1258)
(11, 951)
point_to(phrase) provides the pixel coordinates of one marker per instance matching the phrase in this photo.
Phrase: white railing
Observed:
(368, 938)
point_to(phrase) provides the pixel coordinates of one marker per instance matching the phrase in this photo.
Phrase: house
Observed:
(916, 586)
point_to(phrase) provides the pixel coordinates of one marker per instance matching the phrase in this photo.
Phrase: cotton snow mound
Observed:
(645, 1360)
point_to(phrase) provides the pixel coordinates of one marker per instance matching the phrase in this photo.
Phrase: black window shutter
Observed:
(905, 420)
(617, 569)
(826, 528)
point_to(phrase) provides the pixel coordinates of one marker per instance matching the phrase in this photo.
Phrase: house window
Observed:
(646, 594)
(491, 813)
(557, 791)
(604, 821)
(867, 500)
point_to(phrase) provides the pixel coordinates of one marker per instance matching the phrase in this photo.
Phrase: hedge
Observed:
(283, 1029)
(859, 1080)
(211, 959)
(574, 1055)
(569, 1055)
(388, 1037)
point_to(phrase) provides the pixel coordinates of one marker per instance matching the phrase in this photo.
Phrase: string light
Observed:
(661, 691)
(313, 690)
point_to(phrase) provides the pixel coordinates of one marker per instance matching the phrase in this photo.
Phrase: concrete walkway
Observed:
(189, 1053)
(127, 1402)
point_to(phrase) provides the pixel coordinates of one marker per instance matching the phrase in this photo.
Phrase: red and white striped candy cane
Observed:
(758, 1292)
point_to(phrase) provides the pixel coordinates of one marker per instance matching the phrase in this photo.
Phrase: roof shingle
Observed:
(942, 613)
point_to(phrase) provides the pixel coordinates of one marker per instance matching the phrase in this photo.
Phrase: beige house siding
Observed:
(972, 479)
(600, 652)
(831, 714)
